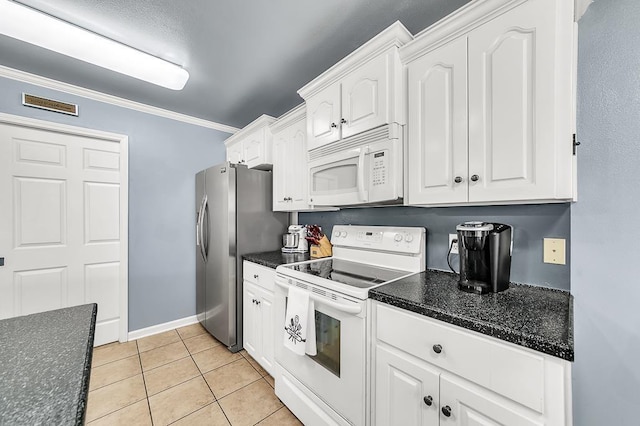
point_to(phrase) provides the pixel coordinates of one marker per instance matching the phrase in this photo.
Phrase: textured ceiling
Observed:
(245, 58)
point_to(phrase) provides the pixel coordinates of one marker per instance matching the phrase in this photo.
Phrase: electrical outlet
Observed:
(554, 251)
(454, 249)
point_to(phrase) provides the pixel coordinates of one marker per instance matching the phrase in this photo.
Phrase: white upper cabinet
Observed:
(290, 161)
(361, 92)
(252, 145)
(491, 111)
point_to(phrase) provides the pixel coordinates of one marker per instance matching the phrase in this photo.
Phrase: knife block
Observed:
(324, 249)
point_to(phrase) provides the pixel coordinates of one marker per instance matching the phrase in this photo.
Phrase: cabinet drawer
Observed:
(260, 275)
(512, 372)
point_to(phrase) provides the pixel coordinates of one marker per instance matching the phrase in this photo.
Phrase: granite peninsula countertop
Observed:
(538, 318)
(273, 259)
(45, 363)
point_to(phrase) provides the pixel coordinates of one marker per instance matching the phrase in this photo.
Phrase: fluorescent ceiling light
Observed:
(29, 25)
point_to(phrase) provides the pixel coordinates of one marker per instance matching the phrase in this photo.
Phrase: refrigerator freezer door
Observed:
(220, 293)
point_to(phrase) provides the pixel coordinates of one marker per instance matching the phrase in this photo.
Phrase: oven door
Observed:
(336, 375)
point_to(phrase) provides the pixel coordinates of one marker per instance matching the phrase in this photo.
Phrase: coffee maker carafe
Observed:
(485, 256)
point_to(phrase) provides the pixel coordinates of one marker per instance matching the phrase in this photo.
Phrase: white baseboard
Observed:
(159, 328)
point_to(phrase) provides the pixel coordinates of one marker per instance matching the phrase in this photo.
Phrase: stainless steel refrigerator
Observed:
(233, 217)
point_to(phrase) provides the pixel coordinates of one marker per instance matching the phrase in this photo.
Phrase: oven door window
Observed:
(328, 342)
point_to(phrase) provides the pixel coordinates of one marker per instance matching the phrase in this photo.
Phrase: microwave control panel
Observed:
(379, 168)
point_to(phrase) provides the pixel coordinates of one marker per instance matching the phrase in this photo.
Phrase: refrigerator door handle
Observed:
(198, 216)
(200, 228)
(204, 237)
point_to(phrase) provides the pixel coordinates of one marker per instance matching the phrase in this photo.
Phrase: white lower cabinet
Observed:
(257, 316)
(426, 372)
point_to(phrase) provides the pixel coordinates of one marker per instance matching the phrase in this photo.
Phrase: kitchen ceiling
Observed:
(245, 58)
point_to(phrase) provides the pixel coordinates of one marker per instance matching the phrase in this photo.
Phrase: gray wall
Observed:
(531, 224)
(164, 156)
(605, 251)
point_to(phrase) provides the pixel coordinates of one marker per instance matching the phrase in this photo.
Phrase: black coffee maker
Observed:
(485, 256)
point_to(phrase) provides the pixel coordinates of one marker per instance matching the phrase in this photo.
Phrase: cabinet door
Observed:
(281, 170)
(404, 388)
(250, 332)
(235, 153)
(437, 122)
(512, 105)
(365, 96)
(266, 355)
(323, 117)
(254, 149)
(469, 405)
(298, 173)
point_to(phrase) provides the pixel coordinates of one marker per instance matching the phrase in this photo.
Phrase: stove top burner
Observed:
(354, 274)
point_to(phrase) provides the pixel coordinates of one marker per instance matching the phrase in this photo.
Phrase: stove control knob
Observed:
(397, 238)
(336, 234)
(344, 234)
(408, 238)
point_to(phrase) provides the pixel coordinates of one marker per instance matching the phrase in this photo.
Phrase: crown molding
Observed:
(262, 122)
(454, 25)
(48, 83)
(294, 115)
(395, 35)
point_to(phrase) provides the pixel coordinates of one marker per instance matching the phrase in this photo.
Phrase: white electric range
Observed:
(330, 387)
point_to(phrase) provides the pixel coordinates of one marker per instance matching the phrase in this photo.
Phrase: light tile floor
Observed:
(181, 377)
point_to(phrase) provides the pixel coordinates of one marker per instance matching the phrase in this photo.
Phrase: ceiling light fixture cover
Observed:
(29, 25)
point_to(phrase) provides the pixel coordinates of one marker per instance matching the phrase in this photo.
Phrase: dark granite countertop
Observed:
(273, 259)
(45, 363)
(534, 317)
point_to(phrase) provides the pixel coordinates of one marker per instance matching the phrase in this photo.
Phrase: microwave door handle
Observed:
(364, 196)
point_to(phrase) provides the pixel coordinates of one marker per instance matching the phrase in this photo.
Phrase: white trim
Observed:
(159, 328)
(395, 35)
(110, 99)
(456, 24)
(288, 118)
(123, 140)
(264, 121)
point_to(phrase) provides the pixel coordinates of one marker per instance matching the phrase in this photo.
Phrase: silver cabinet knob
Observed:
(437, 348)
(255, 276)
(343, 121)
(428, 400)
(475, 178)
(458, 179)
(334, 125)
(446, 410)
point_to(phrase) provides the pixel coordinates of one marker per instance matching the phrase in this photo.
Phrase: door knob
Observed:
(437, 348)
(475, 178)
(428, 400)
(458, 179)
(446, 410)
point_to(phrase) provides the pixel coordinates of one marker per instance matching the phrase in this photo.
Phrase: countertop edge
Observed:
(86, 373)
(529, 341)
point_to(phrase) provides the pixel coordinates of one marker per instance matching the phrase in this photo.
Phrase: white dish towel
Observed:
(300, 323)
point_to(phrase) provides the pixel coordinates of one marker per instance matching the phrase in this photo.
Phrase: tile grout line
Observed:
(144, 382)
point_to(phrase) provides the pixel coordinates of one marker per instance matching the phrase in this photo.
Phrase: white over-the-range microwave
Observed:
(363, 169)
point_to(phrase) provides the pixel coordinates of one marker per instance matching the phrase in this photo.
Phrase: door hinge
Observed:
(575, 144)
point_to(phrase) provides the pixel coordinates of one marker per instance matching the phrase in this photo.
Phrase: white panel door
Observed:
(60, 225)
(512, 114)
(299, 175)
(250, 321)
(281, 166)
(407, 390)
(323, 117)
(469, 405)
(267, 330)
(365, 96)
(437, 157)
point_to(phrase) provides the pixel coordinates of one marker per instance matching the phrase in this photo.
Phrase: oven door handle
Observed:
(342, 307)
(364, 196)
